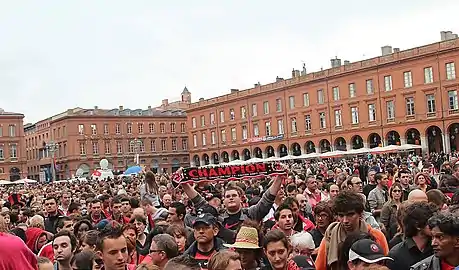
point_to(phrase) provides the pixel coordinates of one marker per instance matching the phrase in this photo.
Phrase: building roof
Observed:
(185, 91)
(5, 113)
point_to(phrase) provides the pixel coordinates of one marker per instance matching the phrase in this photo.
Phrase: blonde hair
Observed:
(221, 259)
(37, 221)
(3, 225)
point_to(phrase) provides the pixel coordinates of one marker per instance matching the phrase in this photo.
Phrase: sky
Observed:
(56, 55)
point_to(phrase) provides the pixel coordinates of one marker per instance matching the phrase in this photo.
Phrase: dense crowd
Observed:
(374, 212)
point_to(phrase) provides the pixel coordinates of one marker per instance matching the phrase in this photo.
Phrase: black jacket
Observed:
(429, 263)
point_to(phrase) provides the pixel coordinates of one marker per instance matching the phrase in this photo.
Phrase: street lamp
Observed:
(136, 143)
(52, 147)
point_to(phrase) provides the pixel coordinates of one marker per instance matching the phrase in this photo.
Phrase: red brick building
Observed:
(85, 136)
(12, 151)
(400, 97)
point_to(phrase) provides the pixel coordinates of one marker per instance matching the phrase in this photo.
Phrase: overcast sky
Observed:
(56, 55)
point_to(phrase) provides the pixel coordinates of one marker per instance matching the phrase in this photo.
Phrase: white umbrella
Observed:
(310, 155)
(4, 182)
(332, 154)
(357, 151)
(273, 158)
(288, 157)
(410, 147)
(254, 160)
(236, 162)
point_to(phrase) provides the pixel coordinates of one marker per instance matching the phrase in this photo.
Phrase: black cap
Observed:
(205, 218)
(368, 251)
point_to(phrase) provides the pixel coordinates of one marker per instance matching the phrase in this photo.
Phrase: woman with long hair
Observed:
(422, 182)
(389, 210)
(149, 189)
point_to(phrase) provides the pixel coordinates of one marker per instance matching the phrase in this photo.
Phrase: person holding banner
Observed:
(234, 214)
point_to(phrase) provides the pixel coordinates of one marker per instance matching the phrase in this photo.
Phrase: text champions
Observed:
(228, 172)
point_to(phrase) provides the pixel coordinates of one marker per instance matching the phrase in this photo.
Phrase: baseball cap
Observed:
(367, 251)
(205, 218)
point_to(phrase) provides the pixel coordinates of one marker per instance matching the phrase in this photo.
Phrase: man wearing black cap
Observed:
(364, 253)
(205, 231)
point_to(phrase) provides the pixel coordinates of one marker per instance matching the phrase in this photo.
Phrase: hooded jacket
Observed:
(33, 234)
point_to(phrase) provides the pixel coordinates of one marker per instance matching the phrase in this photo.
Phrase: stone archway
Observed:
(453, 131)
(246, 154)
(413, 136)
(296, 149)
(434, 139)
(270, 152)
(357, 142)
(196, 161)
(374, 140)
(310, 147)
(393, 138)
(282, 150)
(235, 155)
(206, 159)
(340, 144)
(215, 159)
(225, 157)
(15, 174)
(258, 153)
(325, 146)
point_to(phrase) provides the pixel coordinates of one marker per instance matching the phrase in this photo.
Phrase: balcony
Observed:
(453, 112)
(410, 117)
(390, 120)
(431, 114)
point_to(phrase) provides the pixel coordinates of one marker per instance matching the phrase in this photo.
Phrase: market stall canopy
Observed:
(333, 154)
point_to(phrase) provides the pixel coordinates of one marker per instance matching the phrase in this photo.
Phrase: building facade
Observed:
(12, 150)
(83, 137)
(398, 98)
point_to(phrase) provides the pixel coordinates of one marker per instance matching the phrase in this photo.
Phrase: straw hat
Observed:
(246, 238)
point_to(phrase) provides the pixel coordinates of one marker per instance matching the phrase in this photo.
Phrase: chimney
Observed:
(386, 50)
(297, 73)
(293, 73)
(443, 35)
(347, 62)
(165, 102)
(454, 36)
(149, 107)
(96, 107)
(396, 50)
(121, 107)
(336, 62)
(449, 35)
(257, 85)
(279, 79)
(234, 90)
(201, 99)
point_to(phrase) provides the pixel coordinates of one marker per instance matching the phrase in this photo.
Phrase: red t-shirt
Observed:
(445, 266)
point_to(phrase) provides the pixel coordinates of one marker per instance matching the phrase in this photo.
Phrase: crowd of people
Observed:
(375, 212)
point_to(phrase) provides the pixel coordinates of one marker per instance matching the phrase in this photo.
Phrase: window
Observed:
(243, 112)
(388, 83)
(320, 96)
(163, 145)
(106, 129)
(268, 128)
(291, 102)
(338, 119)
(371, 112)
(184, 144)
(428, 75)
(223, 135)
(107, 147)
(140, 128)
(195, 140)
(129, 128)
(203, 139)
(182, 128)
(280, 126)
(266, 107)
(294, 125)
(193, 122)
(174, 144)
(232, 115)
(233, 134)
(95, 148)
(82, 148)
(173, 127)
(335, 93)
(370, 89)
(355, 115)
(390, 109)
(352, 90)
(12, 130)
(307, 122)
(81, 129)
(203, 121)
(151, 127)
(254, 110)
(306, 99)
(450, 71)
(407, 79)
(256, 130)
(213, 138)
(153, 145)
(278, 105)
(162, 128)
(13, 151)
(452, 100)
(119, 147)
(142, 146)
(244, 132)
(132, 146)
(2, 155)
(212, 118)
(410, 106)
(322, 120)
(222, 116)
(117, 129)
(430, 103)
